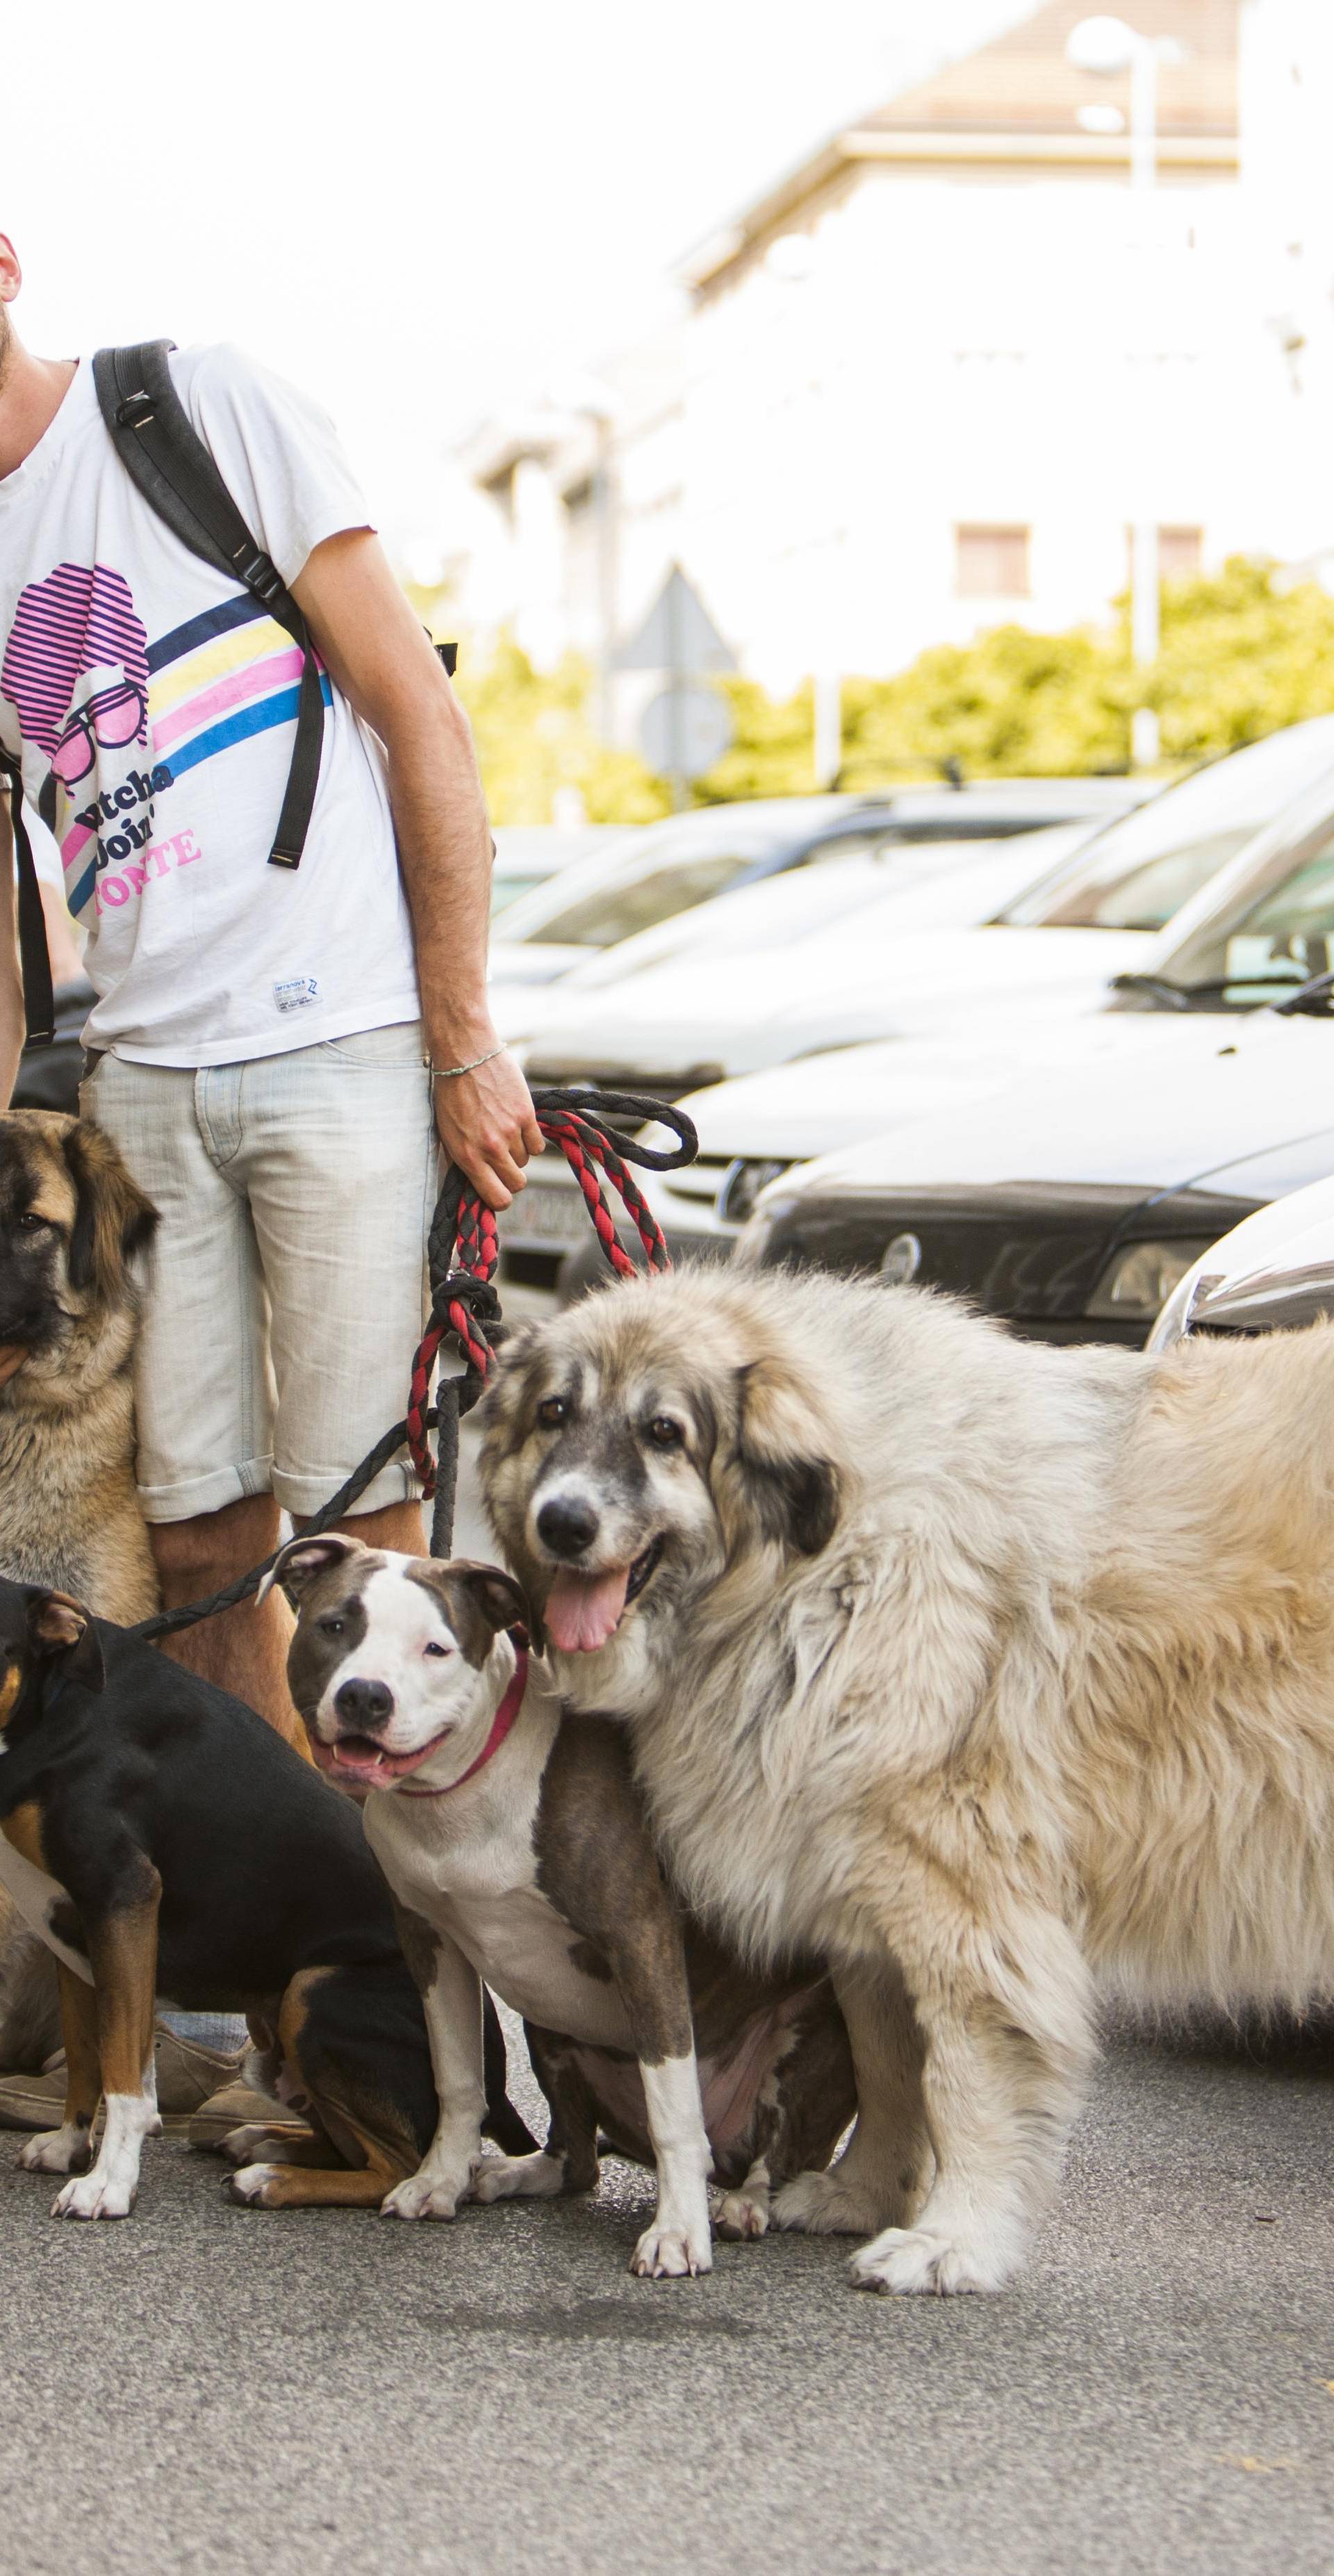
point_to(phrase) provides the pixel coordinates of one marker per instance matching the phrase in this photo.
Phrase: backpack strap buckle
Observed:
(259, 573)
(136, 411)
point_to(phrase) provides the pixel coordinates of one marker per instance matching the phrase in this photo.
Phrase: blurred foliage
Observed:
(534, 733)
(1240, 656)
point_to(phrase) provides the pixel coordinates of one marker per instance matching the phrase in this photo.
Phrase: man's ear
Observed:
(302, 1559)
(61, 1627)
(501, 1600)
(791, 1483)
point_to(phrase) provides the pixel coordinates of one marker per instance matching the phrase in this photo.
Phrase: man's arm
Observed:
(382, 661)
(11, 980)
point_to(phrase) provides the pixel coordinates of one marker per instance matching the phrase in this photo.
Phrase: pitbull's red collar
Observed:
(500, 1726)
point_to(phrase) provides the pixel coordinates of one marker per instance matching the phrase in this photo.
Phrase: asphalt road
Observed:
(203, 2388)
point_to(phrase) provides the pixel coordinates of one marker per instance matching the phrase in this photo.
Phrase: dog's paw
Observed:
(95, 2195)
(672, 2254)
(66, 2150)
(536, 2177)
(820, 2204)
(908, 2259)
(254, 2186)
(425, 2195)
(744, 2213)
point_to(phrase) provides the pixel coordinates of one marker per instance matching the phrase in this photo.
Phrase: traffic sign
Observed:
(678, 634)
(683, 731)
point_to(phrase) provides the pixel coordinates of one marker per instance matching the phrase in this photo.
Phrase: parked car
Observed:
(665, 868)
(529, 855)
(751, 1129)
(699, 1019)
(751, 932)
(1274, 1272)
(1073, 1207)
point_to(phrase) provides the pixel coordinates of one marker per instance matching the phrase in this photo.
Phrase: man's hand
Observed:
(488, 1126)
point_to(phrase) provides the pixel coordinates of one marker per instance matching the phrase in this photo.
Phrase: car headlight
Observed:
(741, 1186)
(1139, 1279)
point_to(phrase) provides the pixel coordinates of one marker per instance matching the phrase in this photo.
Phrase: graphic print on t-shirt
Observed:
(217, 680)
(80, 622)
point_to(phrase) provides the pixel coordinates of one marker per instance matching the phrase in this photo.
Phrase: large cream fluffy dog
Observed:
(985, 1670)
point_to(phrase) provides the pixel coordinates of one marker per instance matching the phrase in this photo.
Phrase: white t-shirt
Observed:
(164, 698)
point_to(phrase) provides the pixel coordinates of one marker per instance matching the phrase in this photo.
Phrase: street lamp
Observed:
(1107, 46)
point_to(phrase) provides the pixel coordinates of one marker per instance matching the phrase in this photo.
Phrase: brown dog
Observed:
(74, 1231)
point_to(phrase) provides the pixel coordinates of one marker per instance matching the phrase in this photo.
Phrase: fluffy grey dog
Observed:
(984, 1670)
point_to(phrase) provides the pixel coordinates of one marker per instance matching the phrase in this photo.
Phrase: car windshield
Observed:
(654, 872)
(1281, 941)
(1140, 871)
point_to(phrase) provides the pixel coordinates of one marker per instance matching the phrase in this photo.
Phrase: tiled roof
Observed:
(1022, 83)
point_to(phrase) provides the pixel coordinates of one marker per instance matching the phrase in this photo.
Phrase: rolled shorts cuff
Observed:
(192, 1496)
(301, 1495)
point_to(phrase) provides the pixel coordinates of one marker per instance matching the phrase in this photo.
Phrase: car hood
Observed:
(845, 1096)
(825, 993)
(1239, 1103)
(533, 961)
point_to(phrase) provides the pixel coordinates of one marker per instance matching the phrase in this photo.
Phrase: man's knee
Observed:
(216, 1545)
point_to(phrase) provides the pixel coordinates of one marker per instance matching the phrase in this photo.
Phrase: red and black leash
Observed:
(590, 1127)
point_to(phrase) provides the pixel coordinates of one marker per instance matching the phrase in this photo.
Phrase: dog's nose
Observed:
(566, 1525)
(364, 1704)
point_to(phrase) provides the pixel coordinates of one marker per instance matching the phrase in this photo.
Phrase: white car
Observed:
(529, 855)
(661, 871)
(1139, 870)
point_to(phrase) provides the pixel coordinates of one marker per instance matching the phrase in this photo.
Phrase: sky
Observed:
(417, 209)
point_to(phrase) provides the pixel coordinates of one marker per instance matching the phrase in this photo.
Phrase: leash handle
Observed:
(464, 1249)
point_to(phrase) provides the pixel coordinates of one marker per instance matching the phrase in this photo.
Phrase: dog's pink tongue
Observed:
(583, 1609)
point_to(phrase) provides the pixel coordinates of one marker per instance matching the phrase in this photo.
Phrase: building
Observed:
(928, 381)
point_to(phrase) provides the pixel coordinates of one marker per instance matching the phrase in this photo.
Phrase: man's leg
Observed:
(203, 1380)
(396, 1526)
(242, 1650)
(341, 1165)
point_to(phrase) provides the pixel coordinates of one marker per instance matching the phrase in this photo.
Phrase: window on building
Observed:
(991, 563)
(1180, 553)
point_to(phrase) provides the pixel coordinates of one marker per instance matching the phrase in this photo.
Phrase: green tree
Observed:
(1242, 653)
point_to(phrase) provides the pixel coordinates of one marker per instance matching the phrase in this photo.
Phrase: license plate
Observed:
(546, 1215)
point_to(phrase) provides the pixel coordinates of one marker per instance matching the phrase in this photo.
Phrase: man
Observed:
(276, 1053)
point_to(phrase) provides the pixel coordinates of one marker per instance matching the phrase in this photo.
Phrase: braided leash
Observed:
(462, 1251)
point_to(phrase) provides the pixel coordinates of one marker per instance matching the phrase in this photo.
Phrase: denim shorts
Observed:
(288, 1285)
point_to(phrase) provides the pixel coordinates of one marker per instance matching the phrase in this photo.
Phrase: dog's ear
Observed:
(113, 1220)
(791, 1482)
(502, 1601)
(302, 1559)
(59, 1625)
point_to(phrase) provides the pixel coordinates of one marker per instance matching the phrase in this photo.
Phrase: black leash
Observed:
(462, 1251)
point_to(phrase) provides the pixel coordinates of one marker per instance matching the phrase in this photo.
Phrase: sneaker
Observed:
(34, 2101)
(187, 2076)
(239, 2106)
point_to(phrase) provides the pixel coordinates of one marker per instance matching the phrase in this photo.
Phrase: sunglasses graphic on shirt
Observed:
(111, 717)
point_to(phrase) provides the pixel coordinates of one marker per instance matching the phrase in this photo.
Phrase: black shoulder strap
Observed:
(163, 453)
(34, 955)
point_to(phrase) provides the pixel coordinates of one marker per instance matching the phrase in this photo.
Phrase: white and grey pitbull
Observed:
(514, 1842)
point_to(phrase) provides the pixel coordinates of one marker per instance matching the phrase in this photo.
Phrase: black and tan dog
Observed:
(165, 1842)
(75, 1231)
(515, 1843)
